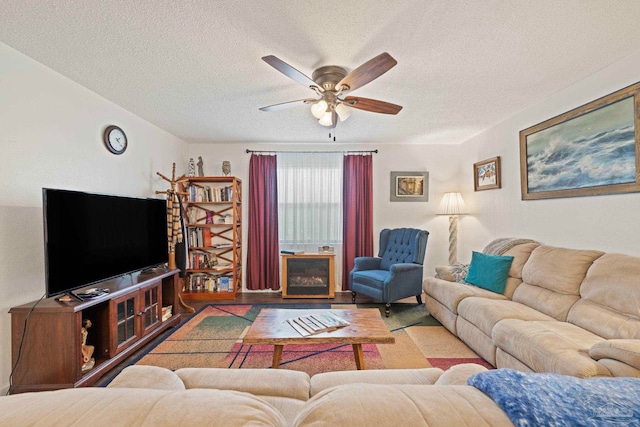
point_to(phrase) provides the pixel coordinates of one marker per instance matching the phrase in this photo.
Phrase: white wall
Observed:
(608, 223)
(440, 161)
(51, 136)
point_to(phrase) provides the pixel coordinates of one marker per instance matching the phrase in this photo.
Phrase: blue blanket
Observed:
(531, 399)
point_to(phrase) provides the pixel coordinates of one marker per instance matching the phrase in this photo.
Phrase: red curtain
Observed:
(357, 205)
(263, 261)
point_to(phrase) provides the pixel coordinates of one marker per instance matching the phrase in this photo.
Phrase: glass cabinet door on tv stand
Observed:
(47, 350)
(213, 214)
(135, 315)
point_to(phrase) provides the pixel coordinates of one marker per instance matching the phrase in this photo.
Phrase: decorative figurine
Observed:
(87, 350)
(191, 167)
(226, 167)
(200, 164)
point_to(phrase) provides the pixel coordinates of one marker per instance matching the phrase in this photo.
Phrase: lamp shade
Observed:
(326, 119)
(319, 108)
(452, 204)
(343, 112)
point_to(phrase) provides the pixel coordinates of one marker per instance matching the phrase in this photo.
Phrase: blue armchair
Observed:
(397, 271)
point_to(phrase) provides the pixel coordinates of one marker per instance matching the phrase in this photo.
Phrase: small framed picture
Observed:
(486, 174)
(409, 187)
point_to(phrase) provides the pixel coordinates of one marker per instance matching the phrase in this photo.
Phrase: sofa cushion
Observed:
(520, 254)
(142, 376)
(627, 351)
(551, 279)
(545, 301)
(325, 380)
(449, 294)
(476, 340)
(557, 269)
(289, 408)
(614, 281)
(489, 271)
(610, 298)
(604, 321)
(108, 407)
(261, 382)
(365, 405)
(549, 346)
(485, 313)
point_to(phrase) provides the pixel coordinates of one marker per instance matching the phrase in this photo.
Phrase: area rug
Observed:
(212, 337)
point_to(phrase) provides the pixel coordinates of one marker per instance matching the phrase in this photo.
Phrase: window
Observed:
(310, 202)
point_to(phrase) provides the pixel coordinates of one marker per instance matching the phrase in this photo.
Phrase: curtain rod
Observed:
(347, 152)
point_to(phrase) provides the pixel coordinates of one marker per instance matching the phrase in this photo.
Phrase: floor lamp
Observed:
(452, 205)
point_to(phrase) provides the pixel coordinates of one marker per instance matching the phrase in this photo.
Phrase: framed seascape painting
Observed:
(409, 187)
(486, 174)
(591, 150)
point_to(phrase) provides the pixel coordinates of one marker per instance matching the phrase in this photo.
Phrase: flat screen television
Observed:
(89, 238)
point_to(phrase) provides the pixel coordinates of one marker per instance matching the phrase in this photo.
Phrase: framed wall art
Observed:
(487, 174)
(591, 150)
(409, 187)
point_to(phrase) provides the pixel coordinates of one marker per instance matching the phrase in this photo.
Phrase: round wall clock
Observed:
(115, 139)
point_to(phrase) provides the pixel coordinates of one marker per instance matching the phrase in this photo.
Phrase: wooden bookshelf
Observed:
(213, 214)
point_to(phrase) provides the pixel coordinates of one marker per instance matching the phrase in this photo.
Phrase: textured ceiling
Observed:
(193, 67)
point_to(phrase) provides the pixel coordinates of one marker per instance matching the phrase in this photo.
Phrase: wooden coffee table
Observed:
(365, 327)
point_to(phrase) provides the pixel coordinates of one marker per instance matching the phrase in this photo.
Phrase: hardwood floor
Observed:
(276, 298)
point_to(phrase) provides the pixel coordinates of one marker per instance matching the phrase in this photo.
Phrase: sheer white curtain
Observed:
(310, 203)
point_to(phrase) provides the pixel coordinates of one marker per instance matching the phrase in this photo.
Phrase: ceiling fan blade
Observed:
(370, 70)
(288, 104)
(288, 70)
(372, 105)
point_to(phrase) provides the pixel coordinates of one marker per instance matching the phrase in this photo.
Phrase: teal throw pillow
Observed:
(489, 271)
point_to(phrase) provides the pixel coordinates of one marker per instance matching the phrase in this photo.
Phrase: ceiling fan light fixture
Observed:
(326, 119)
(343, 112)
(329, 82)
(319, 109)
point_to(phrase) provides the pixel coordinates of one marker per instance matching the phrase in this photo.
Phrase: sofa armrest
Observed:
(445, 272)
(418, 376)
(452, 273)
(366, 263)
(260, 382)
(142, 376)
(622, 350)
(459, 374)
(405, 267)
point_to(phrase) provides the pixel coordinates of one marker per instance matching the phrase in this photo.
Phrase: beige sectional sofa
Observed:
(152, 396)
(566, 311)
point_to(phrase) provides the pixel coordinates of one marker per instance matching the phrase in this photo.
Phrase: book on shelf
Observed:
(207, 194)
(210, 283)
(222, 245)
(316, 323)
(291, 252)
(202, 260)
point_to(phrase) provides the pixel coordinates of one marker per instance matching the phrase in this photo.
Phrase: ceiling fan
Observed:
(331, 83)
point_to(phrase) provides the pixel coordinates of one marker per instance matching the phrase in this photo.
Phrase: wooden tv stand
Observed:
(48, 355)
